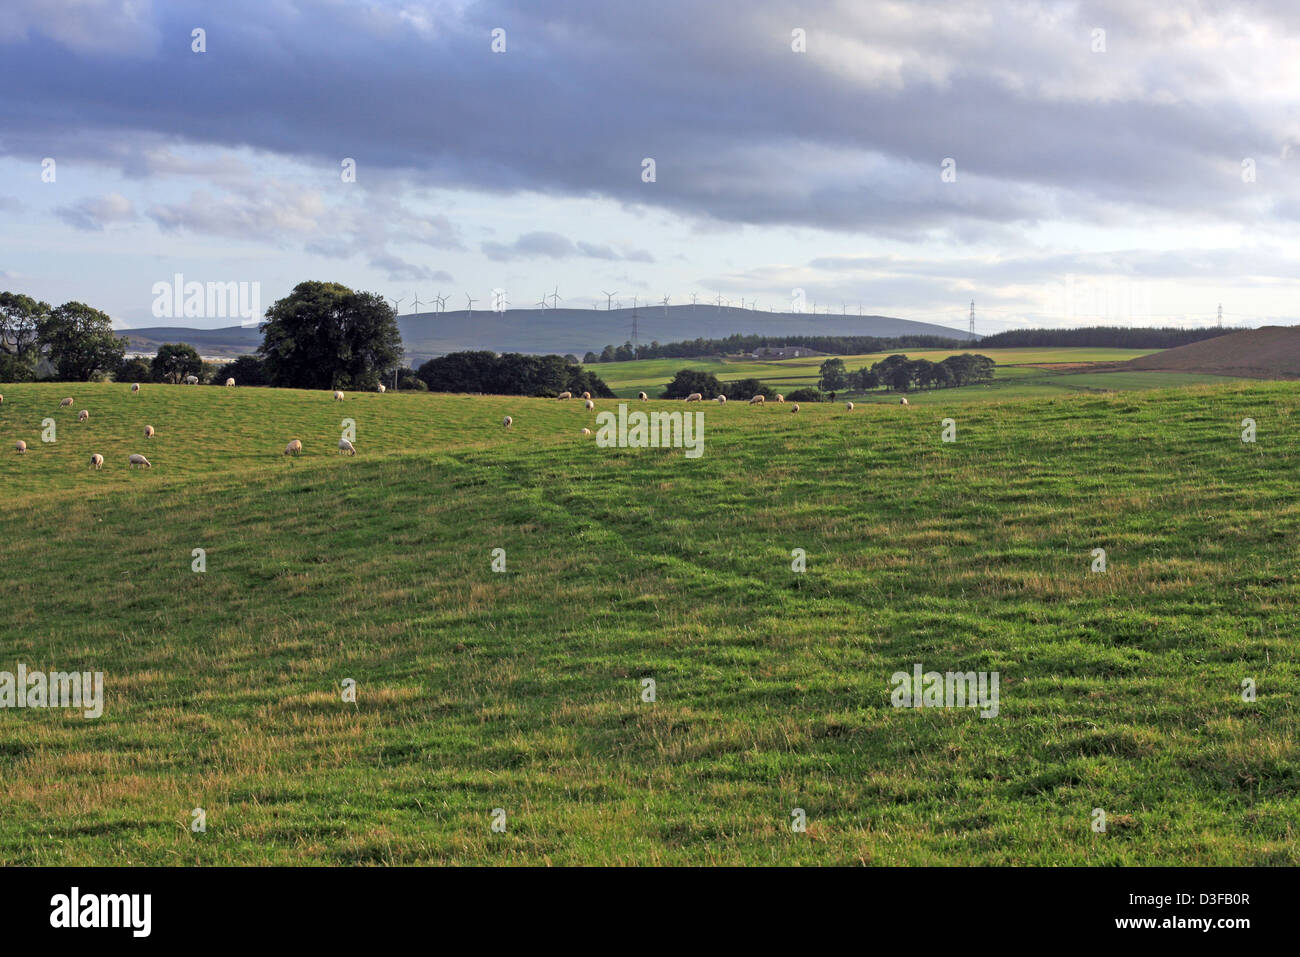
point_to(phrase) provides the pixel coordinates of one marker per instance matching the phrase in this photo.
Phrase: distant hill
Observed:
(563, 331)
(1272, 352)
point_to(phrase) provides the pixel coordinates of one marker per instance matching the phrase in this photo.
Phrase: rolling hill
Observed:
(562, 331)
(523, 687)
(1272, 352)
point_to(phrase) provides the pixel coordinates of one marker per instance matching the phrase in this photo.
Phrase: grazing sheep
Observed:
(586, 395)
(293, 448)
(21, 446)
(565, 395)
(65, 402)
(640, 395)
(135, 387)
(148, 431)
(346, 446)
(695, 397)
(849, 406)
(140, 460)
(757, 400)
(338, 396)
(380, 389)
(780, 397)
(586, 431)
(2, 400)
(507, 422)
(903, 401)
(795, 407)
(590, 405)
(97, 461)
(722, 400)
(230, 383)
(83, 415)
(191, 380)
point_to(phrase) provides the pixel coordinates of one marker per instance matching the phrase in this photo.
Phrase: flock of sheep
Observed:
(136, 460)
(347, 448)
(693, 397)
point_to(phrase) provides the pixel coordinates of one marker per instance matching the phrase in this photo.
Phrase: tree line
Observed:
(1114, 337)
(896, 372)
(738, 343)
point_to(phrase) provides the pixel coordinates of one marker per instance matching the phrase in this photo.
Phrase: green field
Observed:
(522, 690)
(626, 379)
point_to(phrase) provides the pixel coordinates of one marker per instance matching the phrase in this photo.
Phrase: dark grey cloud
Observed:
(847, 136)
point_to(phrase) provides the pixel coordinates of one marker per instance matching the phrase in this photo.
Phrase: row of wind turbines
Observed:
(553, 299)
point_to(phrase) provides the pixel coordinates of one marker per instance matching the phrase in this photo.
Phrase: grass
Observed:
(521, 690)
(626, 379)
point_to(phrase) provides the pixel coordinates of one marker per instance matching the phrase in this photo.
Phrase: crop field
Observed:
(626, 379)
(521, 696)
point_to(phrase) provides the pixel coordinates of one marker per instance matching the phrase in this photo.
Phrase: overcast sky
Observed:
(1114, 161)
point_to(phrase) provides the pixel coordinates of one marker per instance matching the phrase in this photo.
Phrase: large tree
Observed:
(325, 336)
(833, 375)
(688, 381)
(19, 345)
(174, 361)
(79, 341)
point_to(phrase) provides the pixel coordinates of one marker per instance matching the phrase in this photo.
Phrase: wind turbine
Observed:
(396, 303)
(541, 302)
(692, 302)
(718, 302)
(441, 300)
(665, 307)
(555, 298)
(609, 298)
(469, 304)
(417, 302)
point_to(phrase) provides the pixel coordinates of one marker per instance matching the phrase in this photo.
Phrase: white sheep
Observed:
(849, 406)
(642, 396)
(230, 383)
(903, 401)
(795, 407)
(380, 388)
(695, 397)
(140, 460)
(507, 422)
(191, 380)
(65, 402)
(338, 396)
(83, 415)
(293, 448)
(97, 461)
(586, 395)
(135, 387)
(2, 400)
(565, 395)
(346, 447)
(780, 397)
(20, 446)
(722, 400)
(586, 431)
(148, 431)
(590, 405)
(757, 400)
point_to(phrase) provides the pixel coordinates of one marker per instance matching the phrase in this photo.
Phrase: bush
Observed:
(745, 389)
(132, 370)
(804, 395)
(688, 381)
(246, 370)
(411, 383)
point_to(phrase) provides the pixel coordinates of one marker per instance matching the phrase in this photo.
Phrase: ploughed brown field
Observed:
(1272, 352)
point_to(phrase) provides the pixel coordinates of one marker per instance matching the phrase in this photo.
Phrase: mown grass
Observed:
(521, 690)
